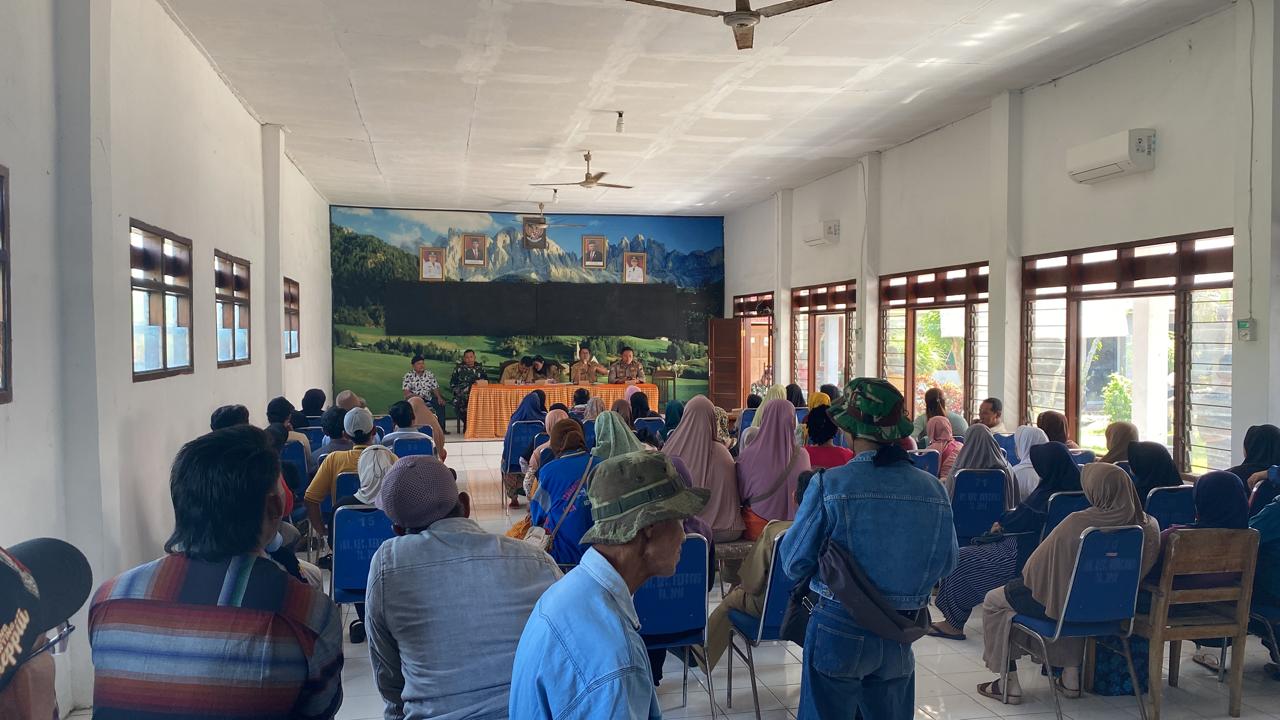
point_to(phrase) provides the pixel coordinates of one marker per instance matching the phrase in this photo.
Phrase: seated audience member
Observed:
(401, 413)
(559, 504)
(466, 374)
(980, 451)
(348, 400)
(533, 454)
(313, 402)
(358, 428)
(640, 407)
(559, 406)
(518, 372)
(795, 396)
(754, 401)
(991, 414)
(935, 405)
(747, 596)
(214, 628)
(722, 427)
(943, 442)
(623, 409)
(626, 370)
(424, 417)
(817, 399)
(1054, 425)
(1025, 438)
(372, 467)
(710, 465)
(1261, 451)
(280, 410)
(821, 431)
(985, 567)
(650, 439)
(581, 397)
(831, 391)
(532, 408)
(334, 436)
(1152, 468)
(229, 416)
(585, 370)
(544, 370)
(580, 654)
(298, 420)
(43, 582)
(614, 437)
(593, 408)
(768, 468)
(877, 501)
(1041, 590)
(773, 392)
(1266, 580)
(1119, 436)
(433, 656)
(292, 478)
(671, 418)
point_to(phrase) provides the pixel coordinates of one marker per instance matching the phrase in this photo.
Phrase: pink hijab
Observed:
(769, 455)
(553, 417)
(696, 443)
(631, 390)
(941, 439)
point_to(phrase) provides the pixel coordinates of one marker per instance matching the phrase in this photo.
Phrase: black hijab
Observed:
(640, 407)
(795, 396)
(1152, 468)
(1261, 451)
(1058, 472)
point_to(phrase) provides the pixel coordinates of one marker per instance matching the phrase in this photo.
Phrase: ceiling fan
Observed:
(540, 219)
(588, 181)
(742, 19)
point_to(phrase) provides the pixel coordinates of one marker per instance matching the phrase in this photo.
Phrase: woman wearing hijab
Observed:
(816, 400)
(1054, 425)
(631, 390)
(1041, 590)
(1266, 578)
(822, 430)
(622, 409)
(595, 406)
(935, 405)
(675, 411)
(710, 466)
(559, 504)
(983, 568)
(1119, 436)
(942, 441)
(1026, 437)
(775, 392)
(980, 451)
(1152, 468)
(722, 427)
(614, 437)
(534, 456)
(531, 408)
(768, 468)
(423, 417)
(1261, 451)
(795, 396)
(640, 407)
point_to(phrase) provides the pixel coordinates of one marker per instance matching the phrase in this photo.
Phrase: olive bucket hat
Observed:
(871, 408)
(633, 491)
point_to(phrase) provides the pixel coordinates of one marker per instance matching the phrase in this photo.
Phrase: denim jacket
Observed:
(895, 521)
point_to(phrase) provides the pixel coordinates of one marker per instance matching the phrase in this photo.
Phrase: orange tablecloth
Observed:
(490, 407)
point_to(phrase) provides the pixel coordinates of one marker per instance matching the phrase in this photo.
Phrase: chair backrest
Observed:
(540, 438)
(958, 438)
(1005, 440)
(842, 440)
(1191, 552)
(426, 430)
(1083, 457)
(1104, 582)
(589, 433)
(346, 484)
(1062, 504)
(1172, 505)
(977, 502)
(777, 592)
(747, 417)
(545, 457)
(1126, 467)
(358, 532)
(520, 436)
(294, 453)
(385, 423)
(677, 604)
(801, 414)
(315, 436)
(405, 447)
(927, 460)
(313, 420)
(653, 425)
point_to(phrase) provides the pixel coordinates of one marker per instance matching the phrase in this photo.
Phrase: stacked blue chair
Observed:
(1172, 505)
(520, 436)
(977, 502)
(385, 424)
(801, 414)
(766, 628)
(653, 425)
(1005, 440)
(404, 447)
(358, 532)
(676, 607)
(1083, 457)
(928, 460)
(315, 436)
(1101, 599)
(1062, 504)
(589, 432)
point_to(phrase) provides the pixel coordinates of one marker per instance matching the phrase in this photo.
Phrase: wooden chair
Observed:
(1221, 611)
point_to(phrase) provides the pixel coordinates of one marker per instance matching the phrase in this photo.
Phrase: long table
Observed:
(490, 407)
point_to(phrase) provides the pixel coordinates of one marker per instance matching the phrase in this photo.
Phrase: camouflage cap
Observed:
(630, 492)
(871, 408)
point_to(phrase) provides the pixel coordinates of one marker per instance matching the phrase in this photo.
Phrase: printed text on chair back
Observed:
(977, 502)
(405, 447)
(928, 460)
(358, 532)
(1172, 505)
(1104, 585)
(676, 604)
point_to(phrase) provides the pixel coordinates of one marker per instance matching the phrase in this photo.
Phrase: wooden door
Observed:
(727, 365)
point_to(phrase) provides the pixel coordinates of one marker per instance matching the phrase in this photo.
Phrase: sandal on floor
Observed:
(1065, 691)
(1206, 660)
(935, 631)
(992, 690)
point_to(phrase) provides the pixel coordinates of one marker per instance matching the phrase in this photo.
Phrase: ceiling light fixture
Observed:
(619, 126)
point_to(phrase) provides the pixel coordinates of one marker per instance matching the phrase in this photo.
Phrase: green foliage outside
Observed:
(1117, 399)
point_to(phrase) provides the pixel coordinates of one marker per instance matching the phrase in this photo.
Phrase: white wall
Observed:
(750, 251)
(838, 196)
(304, 257)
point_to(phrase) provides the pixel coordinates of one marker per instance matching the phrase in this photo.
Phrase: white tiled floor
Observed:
(947, 672)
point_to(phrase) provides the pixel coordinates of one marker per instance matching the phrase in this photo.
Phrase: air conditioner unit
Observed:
(830, 234)
(1124, 153)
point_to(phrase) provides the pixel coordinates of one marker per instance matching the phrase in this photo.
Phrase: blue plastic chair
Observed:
(1125, 466)
(315, 436)
(1005, 440)
(927, 460)
(977, 502)
(294, 453)
(1100, 601)
(958, 438)
(801, 414)
(385, 424)
(313, 420)
(1083, 457)
(540, 438)
(404, 447)
(589, 433)
(546, 456)
(747, 417)
(766, 628)
(1062, 504)
(676, 607)
(426, 430)
(358, 532)
(653, 425)
(519, 436)
(345, 484)
(1172, 505)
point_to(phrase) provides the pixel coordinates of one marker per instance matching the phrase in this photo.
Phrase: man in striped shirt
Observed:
(215, 628)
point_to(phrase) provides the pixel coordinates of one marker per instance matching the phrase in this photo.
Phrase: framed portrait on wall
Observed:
(475, 250)
(595, 251)
(431, 264)
(634, 267)
(534, 236)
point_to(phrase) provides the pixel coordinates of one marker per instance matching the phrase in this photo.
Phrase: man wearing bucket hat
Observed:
(581, 654)
(894, 520)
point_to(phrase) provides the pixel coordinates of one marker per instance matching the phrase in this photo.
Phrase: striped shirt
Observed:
(180, 639)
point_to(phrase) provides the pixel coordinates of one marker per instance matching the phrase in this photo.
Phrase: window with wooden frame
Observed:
(231, 298)
(1138, 332)
(822, 334)
(933, 333)
(756, 312)
(160, 289)
(292, 319)
(6, 334)
(754, 305)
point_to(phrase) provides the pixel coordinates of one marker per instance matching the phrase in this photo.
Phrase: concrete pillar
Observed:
(272, 278)
(1004, 366)
(867, 328)
(782, 292)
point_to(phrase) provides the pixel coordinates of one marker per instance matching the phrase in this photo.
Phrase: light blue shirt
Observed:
(581, 656)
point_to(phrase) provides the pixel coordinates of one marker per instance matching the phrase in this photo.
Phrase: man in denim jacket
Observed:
(895, 520)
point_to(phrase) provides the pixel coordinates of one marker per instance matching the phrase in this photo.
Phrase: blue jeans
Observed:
(847, 669)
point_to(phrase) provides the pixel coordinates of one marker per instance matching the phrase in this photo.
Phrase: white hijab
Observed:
(374, 463)
(1025, 438)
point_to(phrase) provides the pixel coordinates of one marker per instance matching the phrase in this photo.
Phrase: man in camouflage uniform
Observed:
(586, 370)
(626, 370)
(465, 374)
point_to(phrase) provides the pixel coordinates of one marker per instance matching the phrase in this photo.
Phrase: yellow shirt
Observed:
(335, 463)
(516, 373)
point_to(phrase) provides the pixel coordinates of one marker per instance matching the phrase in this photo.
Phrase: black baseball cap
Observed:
(43, 582)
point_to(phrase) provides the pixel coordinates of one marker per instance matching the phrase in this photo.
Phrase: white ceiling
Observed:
(462, 103)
